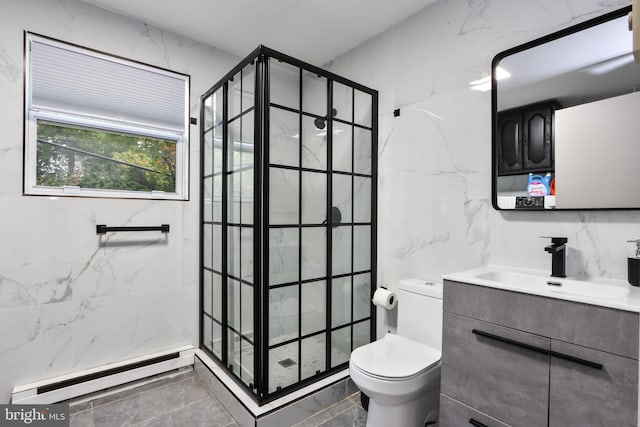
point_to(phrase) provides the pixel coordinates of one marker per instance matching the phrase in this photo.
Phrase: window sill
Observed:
(103, 194)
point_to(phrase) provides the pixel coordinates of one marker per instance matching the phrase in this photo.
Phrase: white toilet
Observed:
(401, 373)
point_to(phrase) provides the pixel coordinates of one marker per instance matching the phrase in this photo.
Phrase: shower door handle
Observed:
(336, 217)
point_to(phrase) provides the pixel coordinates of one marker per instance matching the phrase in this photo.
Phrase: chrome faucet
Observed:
(558, 251)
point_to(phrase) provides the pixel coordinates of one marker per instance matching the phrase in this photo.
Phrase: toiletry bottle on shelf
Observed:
(546, 180)
(538, 185)
(633, 265)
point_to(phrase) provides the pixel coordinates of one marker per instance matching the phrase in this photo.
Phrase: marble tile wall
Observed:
(68, 299)
(435, 213)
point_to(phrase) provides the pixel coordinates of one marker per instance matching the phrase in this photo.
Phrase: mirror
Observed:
(566, 120)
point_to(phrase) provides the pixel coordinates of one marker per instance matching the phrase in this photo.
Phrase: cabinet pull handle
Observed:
(577, 360)
(510, 341)
(541, 350)
(476, 423)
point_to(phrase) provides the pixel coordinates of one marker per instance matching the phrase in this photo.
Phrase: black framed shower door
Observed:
(288, 222)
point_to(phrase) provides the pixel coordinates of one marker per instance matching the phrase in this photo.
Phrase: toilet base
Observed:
(414, 413)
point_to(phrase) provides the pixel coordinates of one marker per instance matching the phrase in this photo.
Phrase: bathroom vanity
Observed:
(517, 351)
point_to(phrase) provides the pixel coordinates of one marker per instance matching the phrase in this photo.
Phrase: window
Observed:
(102, 126)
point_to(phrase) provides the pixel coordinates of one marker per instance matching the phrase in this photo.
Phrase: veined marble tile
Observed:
(314, 252)
(340, 346)
(313, 355)
(314, 197)
(362, 188)
(314, 142)
(342, 147)
(145, 323)
(434, 182)
(342, 101)
(361, 247)
(341, 301)
(313, 314)
(341, 250)
(362, 150)
(284, 136)
(362, 296)
(37, 337)
(342, 195)
(283, 314)
(283, 196)
(283, 255)
(304, 408)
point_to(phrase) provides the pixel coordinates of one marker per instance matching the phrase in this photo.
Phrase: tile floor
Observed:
(348, 412)
(181, 400)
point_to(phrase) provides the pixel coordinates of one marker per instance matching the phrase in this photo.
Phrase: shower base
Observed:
(283, 369)
(287, 410)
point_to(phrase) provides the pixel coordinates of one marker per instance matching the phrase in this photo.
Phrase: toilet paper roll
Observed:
(385, 299)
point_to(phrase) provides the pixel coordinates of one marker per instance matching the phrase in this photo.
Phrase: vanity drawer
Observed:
(506, 381)
(606, 329)
(457, 414)
(577, 392)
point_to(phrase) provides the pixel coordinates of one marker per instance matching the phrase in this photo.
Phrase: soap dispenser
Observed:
(633, 265)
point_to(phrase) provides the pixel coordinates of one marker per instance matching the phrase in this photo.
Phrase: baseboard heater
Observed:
(92, 380)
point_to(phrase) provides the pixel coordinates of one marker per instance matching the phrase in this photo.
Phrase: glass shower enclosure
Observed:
(288, 222)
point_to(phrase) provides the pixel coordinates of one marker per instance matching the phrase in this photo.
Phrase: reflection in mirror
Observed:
(563, 120)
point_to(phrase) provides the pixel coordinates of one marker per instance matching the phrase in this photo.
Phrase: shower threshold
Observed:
(247, 412)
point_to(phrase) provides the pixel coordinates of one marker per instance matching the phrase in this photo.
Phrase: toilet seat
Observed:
(394, 358)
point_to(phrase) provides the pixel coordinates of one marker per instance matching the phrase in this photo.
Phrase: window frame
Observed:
(32, 114)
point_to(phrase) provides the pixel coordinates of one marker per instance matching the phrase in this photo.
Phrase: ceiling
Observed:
(314, 31)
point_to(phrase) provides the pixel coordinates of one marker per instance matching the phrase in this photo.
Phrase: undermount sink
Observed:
(534, 282)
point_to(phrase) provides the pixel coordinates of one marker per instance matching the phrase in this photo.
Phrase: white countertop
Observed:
(604, 292)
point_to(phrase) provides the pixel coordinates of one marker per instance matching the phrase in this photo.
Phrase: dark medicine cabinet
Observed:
(567, 105)
(525, 139)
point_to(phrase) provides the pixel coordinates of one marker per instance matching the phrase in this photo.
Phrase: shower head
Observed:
(321, 122)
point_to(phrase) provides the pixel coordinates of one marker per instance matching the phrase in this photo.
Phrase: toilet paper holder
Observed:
(384, 298)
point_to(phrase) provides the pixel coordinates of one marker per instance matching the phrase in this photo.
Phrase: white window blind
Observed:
(75, 80)
(99, 125)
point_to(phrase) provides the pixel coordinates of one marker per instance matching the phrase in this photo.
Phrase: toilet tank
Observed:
(420, 311)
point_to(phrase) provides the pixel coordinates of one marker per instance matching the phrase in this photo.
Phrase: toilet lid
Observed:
(394, 357)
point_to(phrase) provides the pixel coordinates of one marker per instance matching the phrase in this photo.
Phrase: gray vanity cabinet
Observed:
(526, 360)
(580, 395)
(477, 370)
(455, 413)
